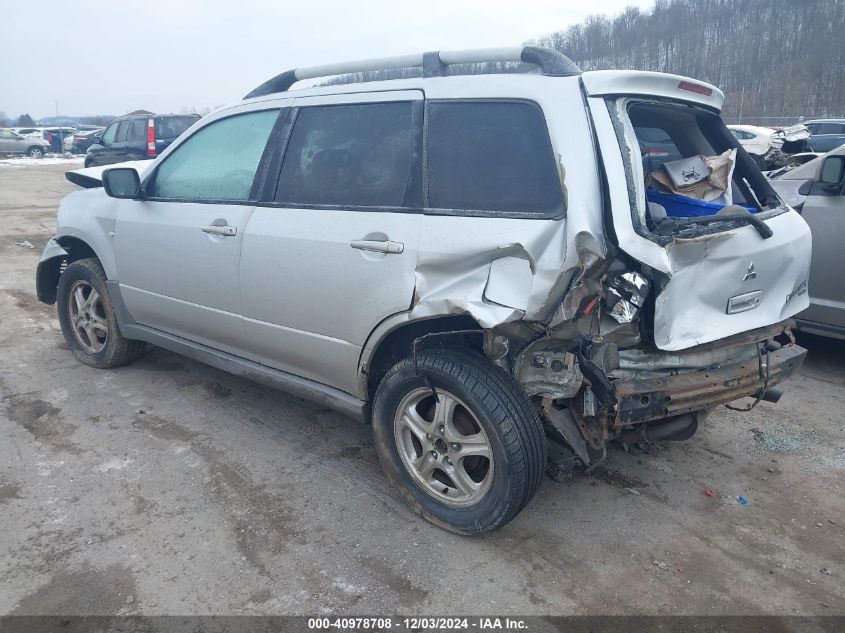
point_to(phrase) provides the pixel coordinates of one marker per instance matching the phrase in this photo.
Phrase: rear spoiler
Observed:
(601, 83)
(92, 177)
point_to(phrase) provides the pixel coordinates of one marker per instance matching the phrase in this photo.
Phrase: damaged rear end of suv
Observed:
(685, 304)
(637, 307)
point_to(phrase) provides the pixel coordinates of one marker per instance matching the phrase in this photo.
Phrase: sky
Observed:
(114, 56)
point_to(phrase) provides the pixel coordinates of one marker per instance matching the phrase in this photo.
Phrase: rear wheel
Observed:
(87, 317)
(459, 439)
(35, 152)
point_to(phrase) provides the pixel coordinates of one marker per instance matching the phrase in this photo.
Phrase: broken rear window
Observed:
(667, 133)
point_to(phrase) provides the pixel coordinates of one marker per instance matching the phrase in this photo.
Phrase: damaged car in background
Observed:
(770, 147)
(493, 270)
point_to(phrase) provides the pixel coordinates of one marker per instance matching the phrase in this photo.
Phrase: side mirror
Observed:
(121, 182)
(832, 172)
(97, 140)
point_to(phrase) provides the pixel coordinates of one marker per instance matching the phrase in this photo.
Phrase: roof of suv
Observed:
(436, 75)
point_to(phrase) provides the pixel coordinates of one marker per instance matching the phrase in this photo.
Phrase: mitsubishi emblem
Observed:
(751, 274)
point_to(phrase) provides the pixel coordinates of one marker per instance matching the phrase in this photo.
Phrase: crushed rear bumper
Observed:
(652, 398)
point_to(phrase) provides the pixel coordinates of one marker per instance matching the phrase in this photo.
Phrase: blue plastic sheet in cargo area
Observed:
(684, 207)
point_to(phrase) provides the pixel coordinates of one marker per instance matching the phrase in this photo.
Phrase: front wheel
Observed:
(87, 317)
(35, 152)
(459, 439)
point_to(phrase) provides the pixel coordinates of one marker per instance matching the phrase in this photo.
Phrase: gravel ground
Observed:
(167, 487)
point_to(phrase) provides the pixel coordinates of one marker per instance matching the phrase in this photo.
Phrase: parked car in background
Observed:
(29, 131)
(656, 148)
(81, 141)
(817, 190)
(13, 143)
(55, 137)
(826, 134)
(136, 137)
(771, 147)
(500, 291)
(757, 141)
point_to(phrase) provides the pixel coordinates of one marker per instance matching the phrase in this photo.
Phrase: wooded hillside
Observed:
(781, 58)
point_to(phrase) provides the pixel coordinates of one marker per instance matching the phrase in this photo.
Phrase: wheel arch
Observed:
(68, 249)
(393, 340)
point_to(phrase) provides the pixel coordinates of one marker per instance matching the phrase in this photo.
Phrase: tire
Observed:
(35, 152)
(445, 477)
(96, 341)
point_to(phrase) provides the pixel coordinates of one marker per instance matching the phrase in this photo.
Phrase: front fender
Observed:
(48, 271)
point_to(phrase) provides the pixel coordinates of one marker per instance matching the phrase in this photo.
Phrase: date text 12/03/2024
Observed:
(422, 623)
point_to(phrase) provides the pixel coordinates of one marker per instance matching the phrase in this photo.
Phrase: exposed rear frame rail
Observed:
(433, 64)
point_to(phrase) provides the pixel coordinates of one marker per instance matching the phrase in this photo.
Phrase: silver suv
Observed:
(13, 143)
(469, 263)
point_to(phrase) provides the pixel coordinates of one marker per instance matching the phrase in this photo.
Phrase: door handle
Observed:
(378, 246)
(226, 231)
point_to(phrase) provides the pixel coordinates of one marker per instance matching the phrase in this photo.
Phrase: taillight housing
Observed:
(151, 137)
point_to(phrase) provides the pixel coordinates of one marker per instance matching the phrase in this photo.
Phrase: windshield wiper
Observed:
(668, 226)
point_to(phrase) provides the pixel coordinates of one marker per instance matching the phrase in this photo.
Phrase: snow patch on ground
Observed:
(50, 159)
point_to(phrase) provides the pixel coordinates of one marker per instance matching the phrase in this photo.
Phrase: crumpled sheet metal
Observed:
(797, 132)
(495, 283)
(455, 285)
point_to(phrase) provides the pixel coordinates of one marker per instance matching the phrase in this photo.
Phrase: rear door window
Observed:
(491, 157)
(218, 162)
(138, 131)
(350, 155)
(826, 128)
(122, 131)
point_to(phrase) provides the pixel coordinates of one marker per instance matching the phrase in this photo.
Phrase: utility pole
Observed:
(61, 131)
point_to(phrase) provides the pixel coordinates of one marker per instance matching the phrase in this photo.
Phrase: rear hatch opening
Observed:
(718, 267)
(660, 131)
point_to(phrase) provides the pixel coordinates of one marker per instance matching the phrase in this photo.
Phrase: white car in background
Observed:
(769, 147)
(28, 131)
(757, 141)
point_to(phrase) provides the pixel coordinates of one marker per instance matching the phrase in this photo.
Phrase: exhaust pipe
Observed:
(675, 429)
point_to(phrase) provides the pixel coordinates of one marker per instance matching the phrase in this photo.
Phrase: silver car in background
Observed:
(13, 143)
(817, 191)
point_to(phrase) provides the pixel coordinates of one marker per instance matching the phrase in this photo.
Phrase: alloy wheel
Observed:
(443, 447)
(87, 317)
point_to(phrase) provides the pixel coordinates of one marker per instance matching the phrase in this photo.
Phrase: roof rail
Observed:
(434, 64)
